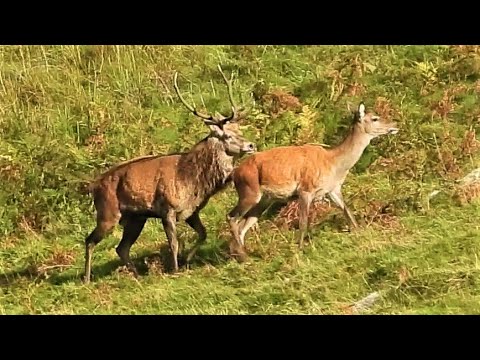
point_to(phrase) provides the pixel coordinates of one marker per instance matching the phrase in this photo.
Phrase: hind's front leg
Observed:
(337, 197)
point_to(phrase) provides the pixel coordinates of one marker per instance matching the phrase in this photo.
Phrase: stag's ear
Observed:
(217, 130)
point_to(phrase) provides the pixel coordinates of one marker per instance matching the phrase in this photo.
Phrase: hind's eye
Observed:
(375, 119)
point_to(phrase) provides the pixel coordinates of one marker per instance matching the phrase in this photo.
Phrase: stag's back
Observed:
(134, 183)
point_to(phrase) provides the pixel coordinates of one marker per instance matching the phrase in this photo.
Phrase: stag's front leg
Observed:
(337, 197)
(196, 224)
(169, 225)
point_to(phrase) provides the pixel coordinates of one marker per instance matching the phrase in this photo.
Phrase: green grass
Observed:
(69, 112)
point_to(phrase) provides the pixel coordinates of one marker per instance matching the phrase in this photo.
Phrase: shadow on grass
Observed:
(156, 263)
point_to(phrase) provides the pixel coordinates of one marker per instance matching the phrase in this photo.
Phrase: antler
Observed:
(235, 110)
(208, 119)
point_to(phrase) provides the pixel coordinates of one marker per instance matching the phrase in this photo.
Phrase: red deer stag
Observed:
(170, 187)
(303, 172)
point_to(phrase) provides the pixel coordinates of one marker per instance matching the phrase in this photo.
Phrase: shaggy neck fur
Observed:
(207, 167)
(351, 149)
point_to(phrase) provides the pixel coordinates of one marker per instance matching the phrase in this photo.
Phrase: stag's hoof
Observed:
(133, 270)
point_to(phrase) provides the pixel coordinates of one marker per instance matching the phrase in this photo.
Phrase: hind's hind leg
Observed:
(132, 227)
(236, 219)
(250, 219)
(103, 228)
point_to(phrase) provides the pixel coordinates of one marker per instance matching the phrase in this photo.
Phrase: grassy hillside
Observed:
(69, 112)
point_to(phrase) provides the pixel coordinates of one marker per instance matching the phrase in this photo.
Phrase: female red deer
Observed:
(170, 187)
(304, 172)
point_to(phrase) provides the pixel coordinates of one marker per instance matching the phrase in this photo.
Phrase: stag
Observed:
(171, 187)
(302, 172)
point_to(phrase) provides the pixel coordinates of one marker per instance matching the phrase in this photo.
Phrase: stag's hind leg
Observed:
(132, 227)
(196, 224)
(105, 224)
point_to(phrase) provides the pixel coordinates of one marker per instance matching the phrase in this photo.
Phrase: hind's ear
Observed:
(361, 110)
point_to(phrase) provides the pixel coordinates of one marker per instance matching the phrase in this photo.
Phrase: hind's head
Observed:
(372, 124)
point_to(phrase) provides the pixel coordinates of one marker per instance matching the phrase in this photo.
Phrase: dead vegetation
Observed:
(57, 262)
(356, 89)
(376, 213)
(380, 214)
(466, 49)
(288, 216)
(468, 188)
(467, 193)
(384, 108)
(95, 142)
(454, 151)
(155, 264)
(447, 104)
(469, 145)
(278, 101)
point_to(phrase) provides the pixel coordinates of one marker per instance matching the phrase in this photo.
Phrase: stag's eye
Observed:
(375, 119)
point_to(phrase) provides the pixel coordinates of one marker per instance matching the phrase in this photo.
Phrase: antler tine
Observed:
(230, 95)
(189, 107)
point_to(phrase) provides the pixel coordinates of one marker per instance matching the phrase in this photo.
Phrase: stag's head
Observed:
(373, 124)
(224, 128)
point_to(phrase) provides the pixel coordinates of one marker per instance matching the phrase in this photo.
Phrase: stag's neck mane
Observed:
(207, 166)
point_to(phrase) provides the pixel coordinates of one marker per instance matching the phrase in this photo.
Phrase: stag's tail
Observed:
(91, 187)
(87, 188)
